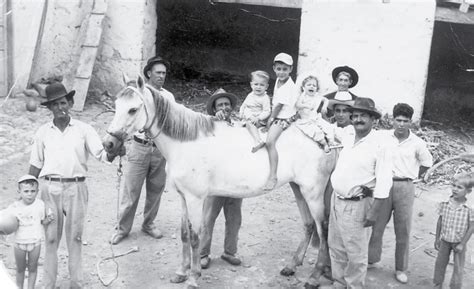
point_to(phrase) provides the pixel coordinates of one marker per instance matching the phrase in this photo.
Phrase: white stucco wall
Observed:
(25, 20)
(128, 40)
(387, 43)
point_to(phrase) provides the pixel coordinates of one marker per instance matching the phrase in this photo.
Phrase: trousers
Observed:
(68, 201)
(233, 219)
(145, 162)
(442, 261)
(400, 203)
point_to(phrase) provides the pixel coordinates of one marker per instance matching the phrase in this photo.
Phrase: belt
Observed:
(142, 141)
(402, 179)
(356, 198)
(65, 180)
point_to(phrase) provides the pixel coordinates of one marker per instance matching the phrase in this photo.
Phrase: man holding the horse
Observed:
(221, 105)
(362, 180)
(59, 157)
(145, 163)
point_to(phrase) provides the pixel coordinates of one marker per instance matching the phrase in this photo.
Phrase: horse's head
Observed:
(133, 107)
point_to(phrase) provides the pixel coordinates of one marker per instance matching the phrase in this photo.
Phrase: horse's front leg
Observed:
(309, 229)
(181, 274)
(195, 206)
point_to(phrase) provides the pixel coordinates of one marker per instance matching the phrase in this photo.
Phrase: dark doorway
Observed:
(222, 43)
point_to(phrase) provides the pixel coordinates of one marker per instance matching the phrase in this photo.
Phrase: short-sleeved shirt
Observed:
(454, 220)
(285, 95)
(30, 230)
(365, 163)
(65, 153)
(166, 94)
(409, 155)
(256, 106)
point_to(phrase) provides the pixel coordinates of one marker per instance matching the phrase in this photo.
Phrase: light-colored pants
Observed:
(233, 219)
(400, 202)
(144, 162)
(348, 242)
(442, 261)
(68, 202)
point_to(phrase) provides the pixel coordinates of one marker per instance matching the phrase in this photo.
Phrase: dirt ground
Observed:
(269, 235)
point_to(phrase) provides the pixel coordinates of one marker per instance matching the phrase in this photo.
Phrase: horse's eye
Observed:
(132, 111)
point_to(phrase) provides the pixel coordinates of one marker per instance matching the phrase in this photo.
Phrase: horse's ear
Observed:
(126, 79)
(140, 82)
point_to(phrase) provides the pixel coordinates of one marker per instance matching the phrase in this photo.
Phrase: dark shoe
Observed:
(117, 238)
(205, 262)
(231, 259)
(153, 232)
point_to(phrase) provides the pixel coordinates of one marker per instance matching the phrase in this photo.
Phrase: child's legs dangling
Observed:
(253, 130)
(273, 133)
(20, 259)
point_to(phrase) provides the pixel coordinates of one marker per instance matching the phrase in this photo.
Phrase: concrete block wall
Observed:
(387, 43)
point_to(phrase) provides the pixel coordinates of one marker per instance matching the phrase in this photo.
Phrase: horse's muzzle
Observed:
(112, 143)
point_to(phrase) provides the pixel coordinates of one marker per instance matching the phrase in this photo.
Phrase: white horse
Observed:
(211, 158)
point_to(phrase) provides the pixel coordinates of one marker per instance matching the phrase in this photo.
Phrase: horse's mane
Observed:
(179, 122)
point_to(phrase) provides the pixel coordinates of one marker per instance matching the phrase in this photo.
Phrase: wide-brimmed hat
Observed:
(350, 70)
(367, 105)
(284, 57)
(27, 178)
(341, 97)
(152, 61)
(56, 91)
(218, 94)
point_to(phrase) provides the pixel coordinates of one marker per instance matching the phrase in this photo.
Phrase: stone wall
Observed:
(387, 43)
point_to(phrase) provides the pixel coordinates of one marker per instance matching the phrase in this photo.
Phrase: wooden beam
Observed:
(274, 3)
(453, 15)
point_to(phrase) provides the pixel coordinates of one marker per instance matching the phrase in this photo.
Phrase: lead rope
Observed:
(112, 258)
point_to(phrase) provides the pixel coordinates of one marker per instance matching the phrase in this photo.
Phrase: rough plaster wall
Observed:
(26, 18)
(387, 43)
(63, 22)
(128, 40)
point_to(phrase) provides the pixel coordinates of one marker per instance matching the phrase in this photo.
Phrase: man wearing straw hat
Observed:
(59, 157)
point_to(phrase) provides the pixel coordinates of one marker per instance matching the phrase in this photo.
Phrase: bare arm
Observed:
(275, 112)
(438, 233)
(465, 239)
(34, 171)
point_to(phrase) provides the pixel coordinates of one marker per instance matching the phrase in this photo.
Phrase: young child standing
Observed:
(284, 99)
(31, 215)
(256, 107)
(310, 107)
(455, 227)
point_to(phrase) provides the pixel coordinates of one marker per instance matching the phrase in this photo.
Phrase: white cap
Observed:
(285, 58)
(26, 178)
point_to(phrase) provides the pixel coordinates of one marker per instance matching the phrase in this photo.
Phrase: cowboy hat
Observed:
(341, 97)
(152, 61)
(218, 94)
(350, 70)
(56, 91)
(365, 104)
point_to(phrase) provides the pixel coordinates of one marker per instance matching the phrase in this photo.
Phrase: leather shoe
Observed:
(401, 277)
(231, 259)
(153, 232)
(205, 262)
(117, 238)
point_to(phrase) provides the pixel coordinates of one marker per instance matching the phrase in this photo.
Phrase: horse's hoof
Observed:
(287, 272)
(178, 278)
(310, 286)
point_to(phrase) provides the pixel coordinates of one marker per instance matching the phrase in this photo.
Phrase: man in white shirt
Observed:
(361, 180)
(411, 159)
(145, 164)
(59, 157)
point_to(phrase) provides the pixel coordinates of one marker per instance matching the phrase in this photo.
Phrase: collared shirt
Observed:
(166, 94)
(409, 155)
(285, 95)
(344, 134)
(65, 154)
(256, 106)
(454, 220)
(367, 162)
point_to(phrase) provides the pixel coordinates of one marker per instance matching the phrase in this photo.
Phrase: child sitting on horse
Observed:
(311, 107)
(31, 216)
(256, 107)
(283, 111)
